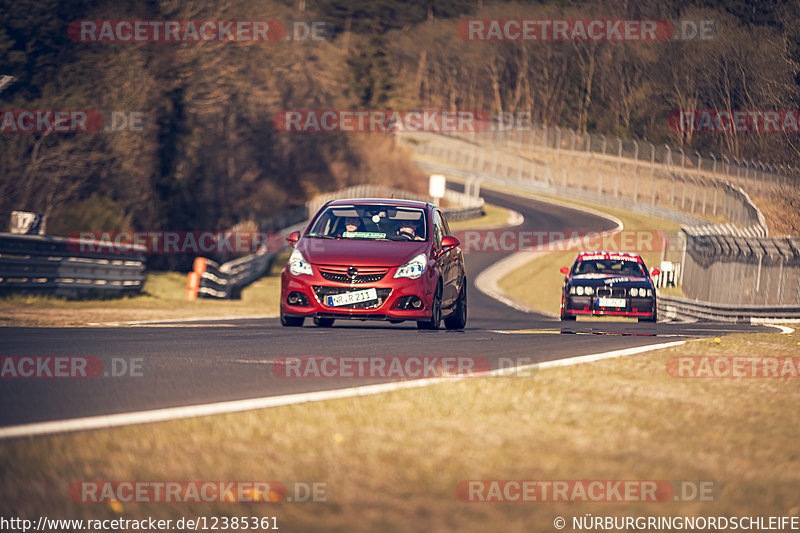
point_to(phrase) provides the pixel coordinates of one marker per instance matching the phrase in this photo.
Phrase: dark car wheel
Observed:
(652, 318)
(323, 322)
(436, 312)
(291, 321)
(565, 316)
(459, 317)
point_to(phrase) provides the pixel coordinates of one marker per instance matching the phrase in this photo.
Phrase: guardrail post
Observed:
(694, 189)
(683, 177)
(635, 171)
(746, 172)
(670, 174)
(619, 164)
(713, 181)
(652, 174)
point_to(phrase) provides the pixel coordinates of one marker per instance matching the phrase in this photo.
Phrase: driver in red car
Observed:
(409, 229)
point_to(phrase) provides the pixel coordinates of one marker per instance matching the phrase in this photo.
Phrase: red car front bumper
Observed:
(395, 296)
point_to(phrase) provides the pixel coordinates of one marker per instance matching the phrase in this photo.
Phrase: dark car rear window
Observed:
(609, 266)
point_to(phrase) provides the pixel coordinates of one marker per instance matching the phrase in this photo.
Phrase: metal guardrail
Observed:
(210, 279)
(675, 308)
(725, 265)
(226, 281)
(553, 189)
(739, 270)
(69, 267)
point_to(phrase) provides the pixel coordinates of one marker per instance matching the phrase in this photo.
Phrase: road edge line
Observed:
(235, 406)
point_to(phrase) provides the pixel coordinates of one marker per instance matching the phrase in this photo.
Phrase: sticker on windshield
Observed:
(363, 235)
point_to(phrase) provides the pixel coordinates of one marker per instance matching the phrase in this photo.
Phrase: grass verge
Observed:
(164, 297)
(394, 460)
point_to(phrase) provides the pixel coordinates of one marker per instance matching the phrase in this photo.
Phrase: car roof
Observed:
(609, 254)
(379, 201)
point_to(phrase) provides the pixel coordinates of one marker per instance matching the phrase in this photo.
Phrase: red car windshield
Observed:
(612, 267)
(371, 222)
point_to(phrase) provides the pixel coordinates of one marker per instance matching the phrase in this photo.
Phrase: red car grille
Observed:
(364, 275)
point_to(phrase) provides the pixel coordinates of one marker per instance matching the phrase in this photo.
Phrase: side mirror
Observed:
(449, 242)
(292, 238)
(655, 272)
(565, 270)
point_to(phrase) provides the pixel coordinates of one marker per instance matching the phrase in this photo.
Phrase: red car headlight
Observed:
(298, 266)
(414, 268)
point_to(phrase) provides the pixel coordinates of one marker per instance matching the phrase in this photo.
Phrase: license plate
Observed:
(611, 302)
(355, 297)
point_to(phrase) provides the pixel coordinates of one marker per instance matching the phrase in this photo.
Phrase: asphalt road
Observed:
(201, 362)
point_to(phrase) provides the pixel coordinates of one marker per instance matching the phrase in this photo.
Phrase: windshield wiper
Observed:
(318, 236)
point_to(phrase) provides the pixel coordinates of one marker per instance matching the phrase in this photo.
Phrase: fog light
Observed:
(296, 298)
(410, 302)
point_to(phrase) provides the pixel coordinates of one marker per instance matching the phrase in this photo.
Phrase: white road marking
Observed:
(235, 406)
(785, 330)
(180, 320)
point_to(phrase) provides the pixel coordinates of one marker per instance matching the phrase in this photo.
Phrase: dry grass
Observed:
(394, 460)
(164, 297)
(782, 214)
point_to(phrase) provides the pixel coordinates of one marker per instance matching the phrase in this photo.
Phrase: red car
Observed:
(375, 259)
(609, 283)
